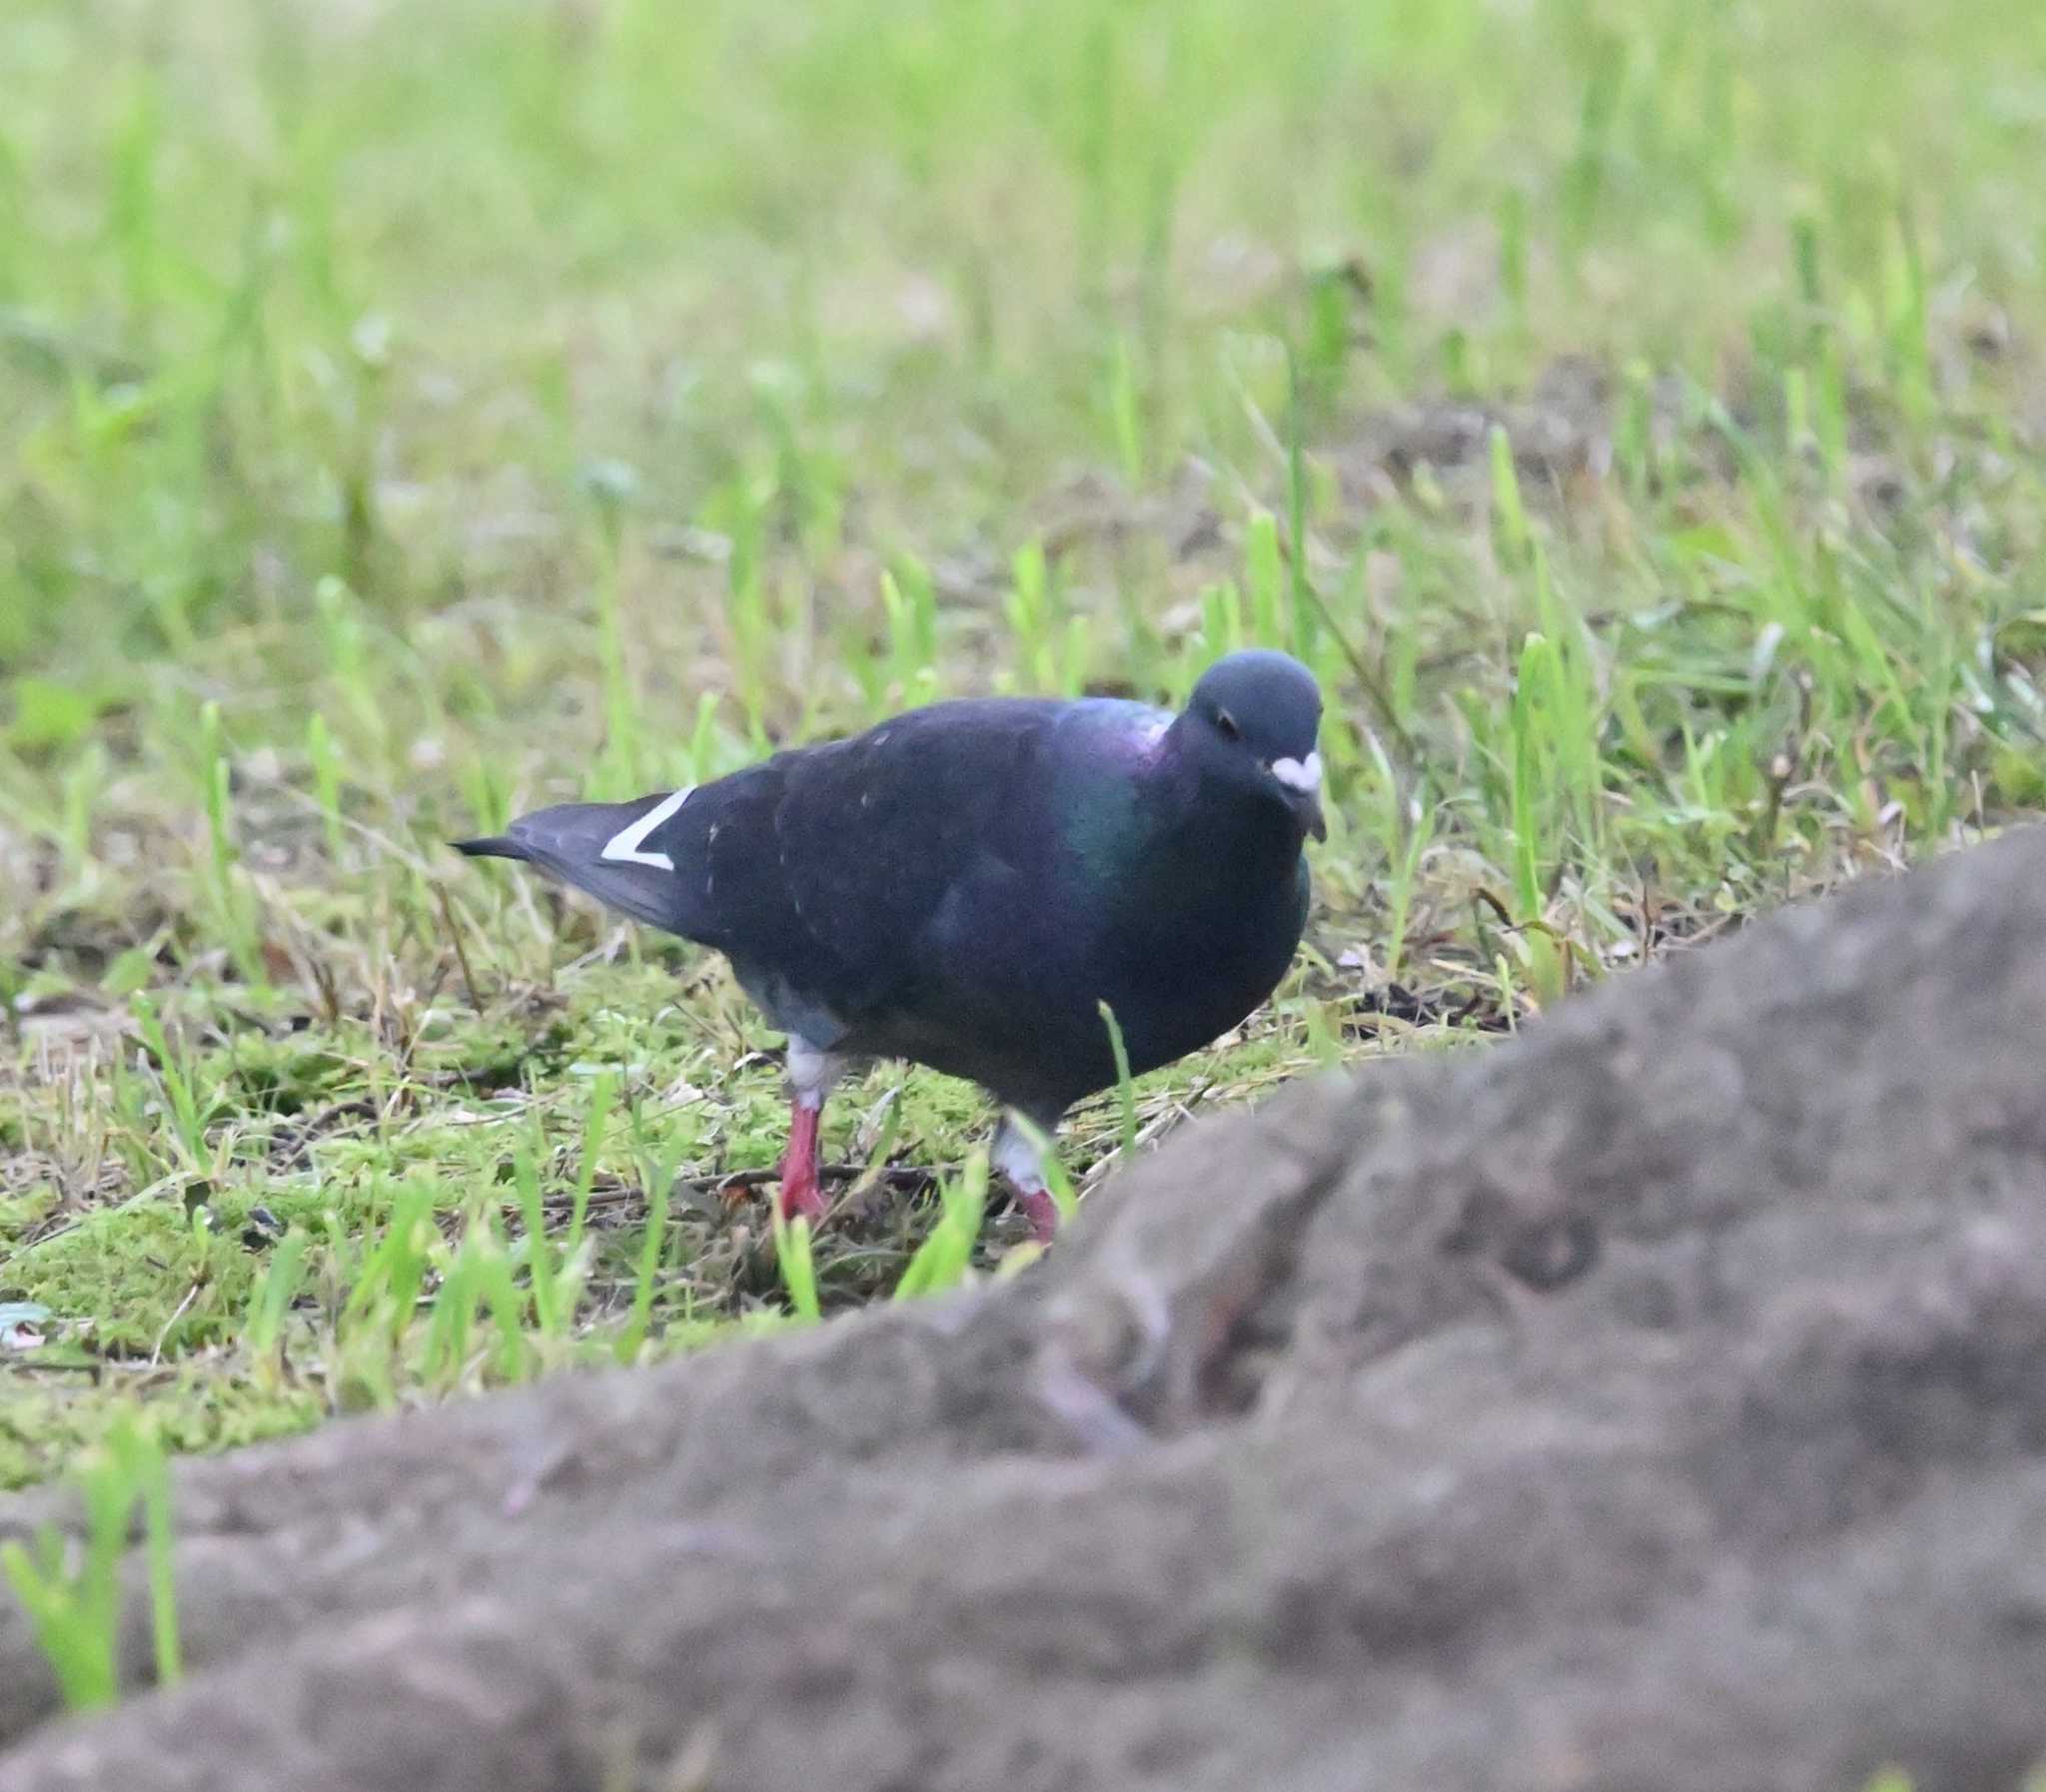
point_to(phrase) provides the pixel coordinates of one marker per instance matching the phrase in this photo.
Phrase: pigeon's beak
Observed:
(1301, 779)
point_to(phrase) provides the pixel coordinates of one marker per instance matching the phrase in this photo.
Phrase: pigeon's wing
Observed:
(818, 871)
(876, 833)
(948, 859)
(703, 862)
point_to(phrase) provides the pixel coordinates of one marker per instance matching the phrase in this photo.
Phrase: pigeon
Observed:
(965, 885)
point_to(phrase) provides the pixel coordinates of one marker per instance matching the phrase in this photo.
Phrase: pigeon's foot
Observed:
(799, 1191)
(1037, 1206)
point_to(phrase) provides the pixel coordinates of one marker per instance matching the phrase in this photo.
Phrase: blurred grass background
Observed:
(409, 413)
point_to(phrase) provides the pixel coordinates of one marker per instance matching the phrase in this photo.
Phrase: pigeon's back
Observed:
(822, 871)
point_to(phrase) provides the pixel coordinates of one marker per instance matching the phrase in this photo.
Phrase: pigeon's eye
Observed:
(1225, 725)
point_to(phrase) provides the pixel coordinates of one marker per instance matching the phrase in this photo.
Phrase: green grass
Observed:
(73, 1596)
(410, 415)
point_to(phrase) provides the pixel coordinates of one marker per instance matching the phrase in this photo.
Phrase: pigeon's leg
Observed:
(1018, 1158)
(811, 1072)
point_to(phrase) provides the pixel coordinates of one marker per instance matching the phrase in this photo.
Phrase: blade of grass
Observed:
(945, 1256)
(1126, 1089)
(797, 1266)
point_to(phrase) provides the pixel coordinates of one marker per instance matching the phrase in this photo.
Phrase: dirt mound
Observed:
(1653, 1401)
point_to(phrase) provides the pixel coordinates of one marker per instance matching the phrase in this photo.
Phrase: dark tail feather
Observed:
(497, 846)
(618, 852)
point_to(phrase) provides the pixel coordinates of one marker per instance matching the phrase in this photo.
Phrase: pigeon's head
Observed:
(1252, 722)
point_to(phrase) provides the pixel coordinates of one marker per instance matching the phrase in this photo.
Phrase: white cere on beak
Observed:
(1298, 774)
(628, 845)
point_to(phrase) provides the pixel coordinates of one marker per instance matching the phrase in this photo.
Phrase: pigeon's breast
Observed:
(1180, 958)
(1191, 970)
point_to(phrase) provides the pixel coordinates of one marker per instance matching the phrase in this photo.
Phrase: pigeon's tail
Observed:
(495, 846)
(623, 854)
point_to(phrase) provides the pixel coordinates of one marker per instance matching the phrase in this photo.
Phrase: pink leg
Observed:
(1021, 1164)
(1037, 1206)
(799, 1192)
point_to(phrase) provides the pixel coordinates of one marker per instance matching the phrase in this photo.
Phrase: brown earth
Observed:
(1654, 1401)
